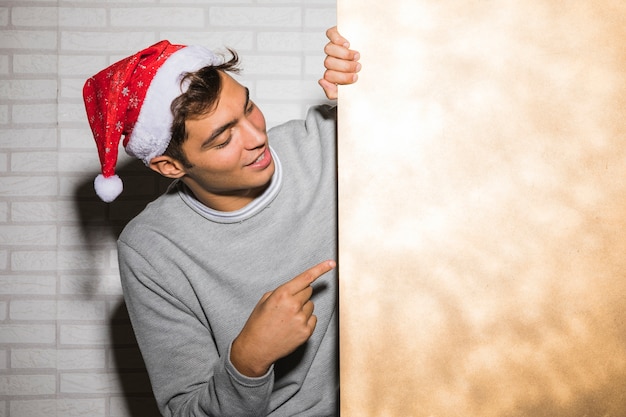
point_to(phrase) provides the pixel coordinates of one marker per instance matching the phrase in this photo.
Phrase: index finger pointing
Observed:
(305, 279)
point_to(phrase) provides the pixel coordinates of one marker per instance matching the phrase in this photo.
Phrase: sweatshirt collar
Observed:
(250, 210)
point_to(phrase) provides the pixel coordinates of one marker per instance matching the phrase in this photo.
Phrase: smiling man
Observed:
(228, 162)
(228, 277)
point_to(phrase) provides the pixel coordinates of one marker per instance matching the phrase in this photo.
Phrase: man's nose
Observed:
(254, 136)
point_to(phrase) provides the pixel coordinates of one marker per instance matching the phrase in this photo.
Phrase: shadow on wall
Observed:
(129, 365)
(104, 221)
(100, 225)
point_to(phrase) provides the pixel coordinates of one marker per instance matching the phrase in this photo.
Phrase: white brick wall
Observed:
(66, 346)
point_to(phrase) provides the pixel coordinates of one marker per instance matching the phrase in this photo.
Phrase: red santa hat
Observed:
(132, 99)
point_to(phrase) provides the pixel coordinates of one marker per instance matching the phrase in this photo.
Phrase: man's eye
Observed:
(223, 144)
(250, 108)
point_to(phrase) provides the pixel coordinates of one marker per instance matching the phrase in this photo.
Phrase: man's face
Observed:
(228, 151)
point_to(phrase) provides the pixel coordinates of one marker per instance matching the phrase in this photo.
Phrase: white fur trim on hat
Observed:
(152, 131)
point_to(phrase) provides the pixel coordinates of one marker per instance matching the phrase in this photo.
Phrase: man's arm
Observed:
(188, 375)
(341, 63)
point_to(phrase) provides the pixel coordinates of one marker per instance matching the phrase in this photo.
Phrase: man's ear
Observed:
(167, 166)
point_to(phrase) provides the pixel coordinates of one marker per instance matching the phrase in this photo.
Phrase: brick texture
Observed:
(66, 345)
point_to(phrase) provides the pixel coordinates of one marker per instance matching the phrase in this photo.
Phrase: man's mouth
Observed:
(262, 160)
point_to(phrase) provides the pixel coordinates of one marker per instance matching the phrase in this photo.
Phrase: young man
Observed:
(228, 277)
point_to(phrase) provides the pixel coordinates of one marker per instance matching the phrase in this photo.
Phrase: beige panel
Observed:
(482, 191)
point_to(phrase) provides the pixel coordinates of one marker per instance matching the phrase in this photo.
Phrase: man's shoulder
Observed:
(319, 112)
(325, 111)
(319, 118)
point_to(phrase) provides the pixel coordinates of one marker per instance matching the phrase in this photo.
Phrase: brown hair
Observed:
(202, 95)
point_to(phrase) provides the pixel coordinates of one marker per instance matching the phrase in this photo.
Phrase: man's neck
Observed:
(225, 202)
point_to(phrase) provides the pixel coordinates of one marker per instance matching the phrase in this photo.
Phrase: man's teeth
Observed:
(260, 158)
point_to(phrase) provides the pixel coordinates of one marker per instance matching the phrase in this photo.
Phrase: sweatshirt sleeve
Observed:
(188, 376)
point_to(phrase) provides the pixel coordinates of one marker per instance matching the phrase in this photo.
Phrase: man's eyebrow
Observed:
(228, 125)
(218, 132)
(245, 105)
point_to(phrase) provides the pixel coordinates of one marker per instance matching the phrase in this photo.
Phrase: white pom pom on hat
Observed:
(131, 99)
(108, 188)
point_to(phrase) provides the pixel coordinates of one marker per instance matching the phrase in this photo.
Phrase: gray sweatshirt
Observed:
(192, 276)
